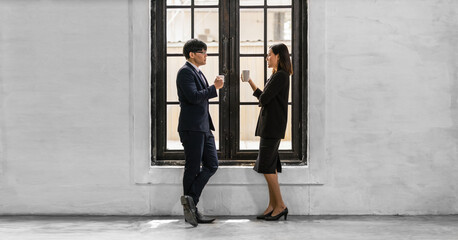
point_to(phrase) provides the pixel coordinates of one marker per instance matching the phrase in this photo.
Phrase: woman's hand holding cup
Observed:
(245, 75)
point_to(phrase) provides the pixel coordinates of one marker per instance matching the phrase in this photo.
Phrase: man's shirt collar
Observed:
(197, 68)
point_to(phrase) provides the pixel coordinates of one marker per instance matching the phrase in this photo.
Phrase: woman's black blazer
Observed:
(274, 106)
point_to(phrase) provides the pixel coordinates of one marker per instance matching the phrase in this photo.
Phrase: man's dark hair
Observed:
(193, 45)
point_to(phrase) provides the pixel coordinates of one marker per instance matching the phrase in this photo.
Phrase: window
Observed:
(238, 34)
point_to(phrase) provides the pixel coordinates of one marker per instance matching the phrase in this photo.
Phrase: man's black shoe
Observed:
(203, 219)
(189, 210)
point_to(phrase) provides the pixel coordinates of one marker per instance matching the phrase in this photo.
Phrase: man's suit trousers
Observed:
(199, 147)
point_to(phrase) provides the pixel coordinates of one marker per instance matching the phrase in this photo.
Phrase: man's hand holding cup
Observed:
(219, 82)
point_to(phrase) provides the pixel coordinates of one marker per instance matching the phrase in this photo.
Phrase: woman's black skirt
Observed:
(268, 159)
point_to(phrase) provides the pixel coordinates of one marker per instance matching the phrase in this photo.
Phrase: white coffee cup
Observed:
(245, 75)
(221, 76)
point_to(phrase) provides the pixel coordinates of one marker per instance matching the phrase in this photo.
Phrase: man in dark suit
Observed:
(194, 126)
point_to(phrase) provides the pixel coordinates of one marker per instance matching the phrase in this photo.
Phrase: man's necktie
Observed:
(202, 78)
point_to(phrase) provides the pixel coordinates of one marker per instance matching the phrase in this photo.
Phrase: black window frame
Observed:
(229, 153)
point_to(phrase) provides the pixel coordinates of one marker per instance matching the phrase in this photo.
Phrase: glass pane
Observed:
(175, 47)
(214, 113)
(251, 2)
(279, 27)
(256, 67)
(285, 143)
(248, 120)
(178, 2)
(178, 29)
(210, 71)
(206, 2)
(173, 139)
(290, 94)
(173, 65)
(278, 2)
(251, 31)
(206, 27)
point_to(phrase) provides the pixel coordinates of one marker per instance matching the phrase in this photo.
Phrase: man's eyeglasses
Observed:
(204, 53)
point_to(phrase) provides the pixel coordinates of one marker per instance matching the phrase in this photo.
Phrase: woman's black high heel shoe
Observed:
(263, 216)
(275, 218)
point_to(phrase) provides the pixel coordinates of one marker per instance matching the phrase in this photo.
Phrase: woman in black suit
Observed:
(272, 125)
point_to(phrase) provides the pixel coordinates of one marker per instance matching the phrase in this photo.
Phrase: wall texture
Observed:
(383, 95)
(65, 108)
(391, 107)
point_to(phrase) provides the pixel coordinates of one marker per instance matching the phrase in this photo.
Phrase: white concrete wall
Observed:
(391, 107)
(74, 105)
(65, 108)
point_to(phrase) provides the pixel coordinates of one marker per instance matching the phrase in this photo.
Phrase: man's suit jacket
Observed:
(274, 106)
(193, 94)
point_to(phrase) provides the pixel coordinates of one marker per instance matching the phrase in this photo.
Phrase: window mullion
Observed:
(229, 96)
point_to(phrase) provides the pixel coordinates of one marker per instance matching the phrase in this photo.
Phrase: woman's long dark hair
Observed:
(284, 62)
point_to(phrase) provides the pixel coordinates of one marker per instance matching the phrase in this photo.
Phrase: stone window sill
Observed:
(231, 175)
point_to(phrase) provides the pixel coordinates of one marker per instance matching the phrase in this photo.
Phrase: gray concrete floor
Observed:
(296, 227)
